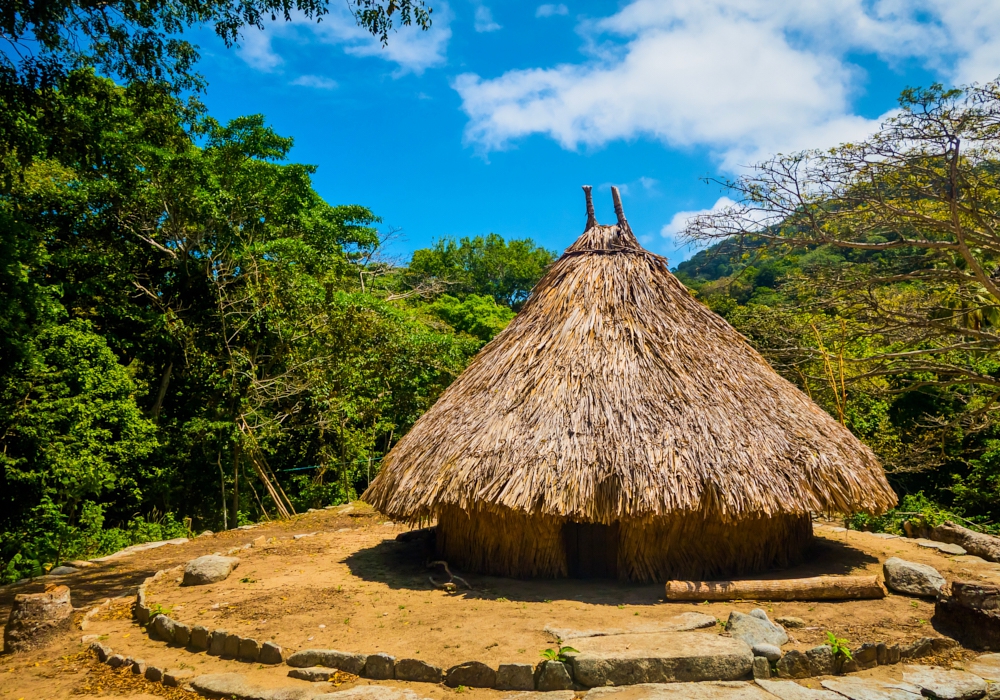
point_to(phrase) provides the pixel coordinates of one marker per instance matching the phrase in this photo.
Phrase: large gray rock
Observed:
(371, 692)
(380, 667)
(659, 658)
(787, 690)
(761, 668)
(682, 691)
(419, 671)
(210, 568)
(314, 674)
(553, 675)
(182, 634)
(63, 571)
(199, 638)
(37, 617)
(340, 660)
(471, 674)
(986, 666)
(249, 649)
(945, 684)
(236, 685)
(515, 677)
(217, 643)
(683, 622)
(909, 577)
(231, 647)
(755, 628)
(871, 689)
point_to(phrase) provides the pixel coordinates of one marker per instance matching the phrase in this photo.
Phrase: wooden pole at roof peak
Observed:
(591, 218)
(619, 212)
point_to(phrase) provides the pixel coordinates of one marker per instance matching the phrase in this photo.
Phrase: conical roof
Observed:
(614, 395)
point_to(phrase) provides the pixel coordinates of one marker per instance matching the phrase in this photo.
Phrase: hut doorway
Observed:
(591, 549)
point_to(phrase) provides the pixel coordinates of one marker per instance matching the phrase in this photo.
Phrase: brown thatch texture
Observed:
(506, 542)
(615, 395)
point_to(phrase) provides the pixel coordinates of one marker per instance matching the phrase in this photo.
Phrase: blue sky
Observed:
(492, 120)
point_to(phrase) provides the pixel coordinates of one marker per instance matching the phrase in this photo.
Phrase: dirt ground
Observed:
(353, 587)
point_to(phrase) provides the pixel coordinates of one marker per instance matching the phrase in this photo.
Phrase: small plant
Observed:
(247, 579)
(839, 646)
(560, 655)
(157, 609)
(460, 689)
(621, 607)
(915, 604)
(501, 599)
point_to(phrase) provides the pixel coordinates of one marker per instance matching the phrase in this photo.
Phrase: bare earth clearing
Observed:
(352, 587)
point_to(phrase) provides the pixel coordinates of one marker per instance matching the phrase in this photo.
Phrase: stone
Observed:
(314, 674)
(175, 678)
(909, 577)
(761, 667)
(182, 634)
(885, 535)
(515, 677)
(419, 671)
(210, 568)
(231, 647)
(682, 691)
(63, 571)
(163, 628)
(553, 675)
(944, 547)
(992, 691)
(340, 660)
(659, 658)
(138, 667)
(921, 647)
(37, 617)
(987, 666)
(787, 690)
(871, 689)
(304, 534)
(866, 656)
(373, 692)
(102, 651)
(790, 622)
(679, 623)
(116, 661)
(539, 695)
(941, 645)
(755, 628)
(249, 649)
(768, 651)
(818, 661)
(154, 674)
(270, 653)
(380, 667)
(206, 533)
(945, 684)
(236, 685)
(260, 541)
(199, 638)
(894, 654)
(141, 613)
(471, 674)
(881, 654)
(969, 611)
(217, 643)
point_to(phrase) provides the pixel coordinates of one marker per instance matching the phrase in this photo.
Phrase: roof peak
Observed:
(604, 239)
(619, 211)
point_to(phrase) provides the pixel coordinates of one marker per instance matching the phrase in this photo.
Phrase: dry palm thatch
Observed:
(615, 397)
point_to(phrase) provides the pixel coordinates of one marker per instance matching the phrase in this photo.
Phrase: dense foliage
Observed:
(868, 275)
(188, 338)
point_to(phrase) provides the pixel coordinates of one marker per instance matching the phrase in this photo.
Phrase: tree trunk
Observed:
(975, 543)
(236, 485)
(162, 393)
(817, 588)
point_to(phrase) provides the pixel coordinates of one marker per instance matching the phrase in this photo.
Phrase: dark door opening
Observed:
(591, 549)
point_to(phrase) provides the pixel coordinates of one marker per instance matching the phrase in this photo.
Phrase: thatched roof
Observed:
(613, 395)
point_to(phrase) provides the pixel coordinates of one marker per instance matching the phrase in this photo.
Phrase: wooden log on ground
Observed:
(975, 543)
(816, 588)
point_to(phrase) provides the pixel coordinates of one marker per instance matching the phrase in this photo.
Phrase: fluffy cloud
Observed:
(411, 49)
(744, 78)
(484, 20)
(549, 10)
(315, 81)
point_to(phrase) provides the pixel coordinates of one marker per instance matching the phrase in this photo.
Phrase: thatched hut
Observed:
(617, 427)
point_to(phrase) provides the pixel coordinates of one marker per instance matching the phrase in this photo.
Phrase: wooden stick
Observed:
(817, 588)
(591, 218)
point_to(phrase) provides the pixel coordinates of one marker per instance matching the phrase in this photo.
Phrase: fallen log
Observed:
(975, 543)
(816, 588)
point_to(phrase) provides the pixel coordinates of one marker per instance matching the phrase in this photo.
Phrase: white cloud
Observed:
(255, 48)
(744, 78)
(484, 20)
(549, 10)
(681, 218)
(315, 81)
(412, 49)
